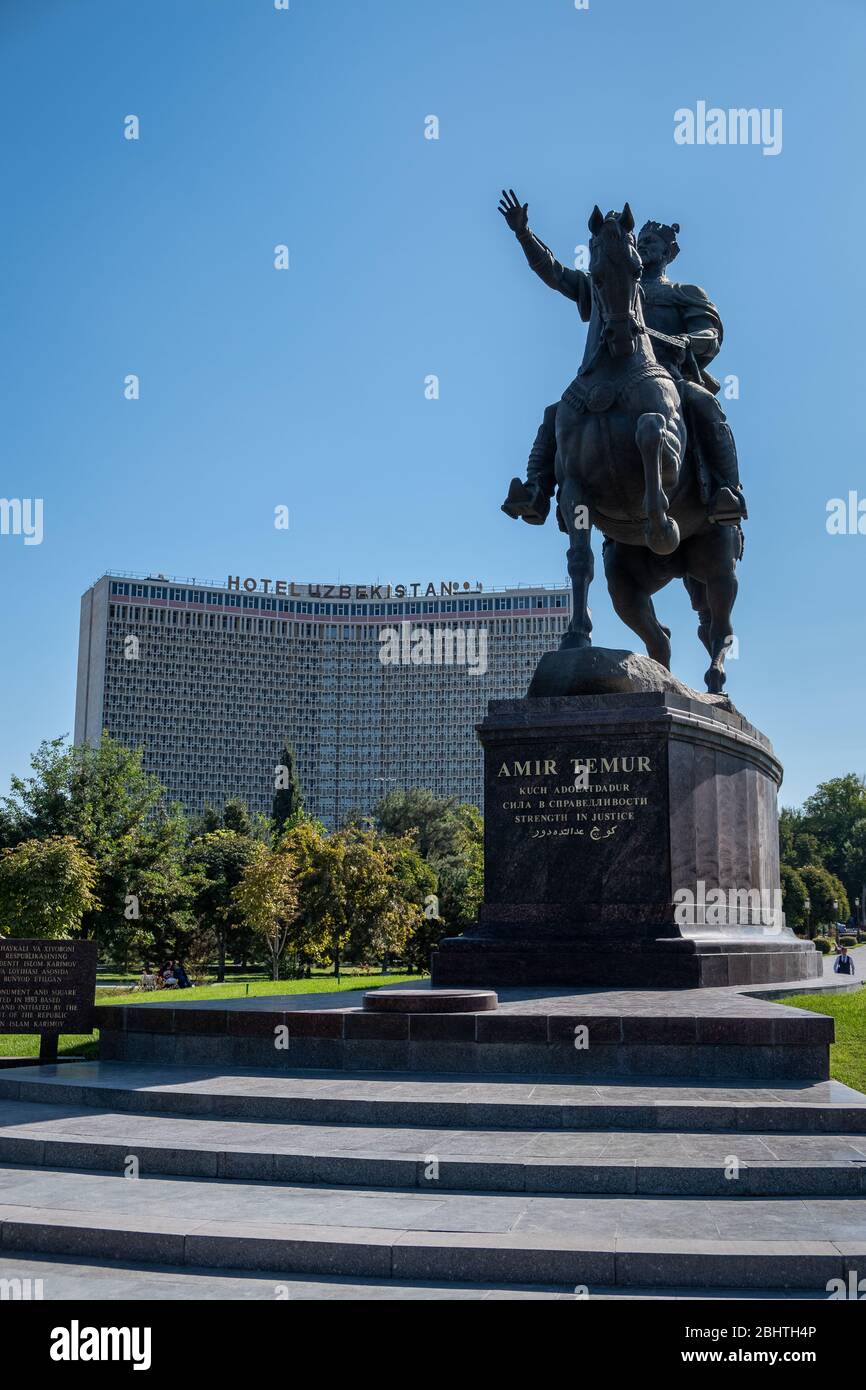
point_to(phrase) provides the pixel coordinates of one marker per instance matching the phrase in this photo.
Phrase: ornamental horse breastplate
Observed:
(603, 395)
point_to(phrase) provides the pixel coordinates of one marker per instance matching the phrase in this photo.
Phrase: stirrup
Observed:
(727, 507)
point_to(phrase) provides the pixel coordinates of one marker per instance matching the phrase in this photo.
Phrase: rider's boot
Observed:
(728, 503)
(527, 501)
(531, 500)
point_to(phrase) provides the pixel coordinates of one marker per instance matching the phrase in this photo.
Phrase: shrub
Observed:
(822, 944)
(847, 941)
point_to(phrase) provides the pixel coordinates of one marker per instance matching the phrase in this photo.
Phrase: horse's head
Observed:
(615, 268)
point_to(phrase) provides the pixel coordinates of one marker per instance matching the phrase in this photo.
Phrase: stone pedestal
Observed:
(611, 823)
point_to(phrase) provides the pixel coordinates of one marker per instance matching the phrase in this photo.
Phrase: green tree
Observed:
(158, 919)
(217, 861)
(835, 814)
(307, 843)
(450, 837)
(461, 874)
(807, 849)
(823, 889)
(789, 824)
(207, 820)
(267, 896)
(432, 817)
(95, 793)
(361, 893)
(854, 875)
(798, 845)
(794, 897)
(834, 807)
(830, 830)
(288, 805)
(104, 798)
(414, 896)
(238, 818)
(46, 887)
(380, 882)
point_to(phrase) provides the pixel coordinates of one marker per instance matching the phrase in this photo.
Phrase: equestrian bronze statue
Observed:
(638, 445)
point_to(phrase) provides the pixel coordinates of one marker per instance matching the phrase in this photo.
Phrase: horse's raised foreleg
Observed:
(661, 532)
(581, 565)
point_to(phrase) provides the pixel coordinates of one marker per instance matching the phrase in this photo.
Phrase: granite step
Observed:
(628, 1242)
(449, 1100)
(503, 1160)
(710, 1034)
(68, 1278)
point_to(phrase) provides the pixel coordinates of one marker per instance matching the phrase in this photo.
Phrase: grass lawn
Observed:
(85, 1045)
(848, 1052)
(115, 982)
(319, 984)
(27, 1045)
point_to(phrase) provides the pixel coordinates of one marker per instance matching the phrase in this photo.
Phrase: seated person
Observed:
(183, 980)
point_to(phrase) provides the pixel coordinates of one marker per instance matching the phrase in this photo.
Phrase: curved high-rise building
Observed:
(375, 686)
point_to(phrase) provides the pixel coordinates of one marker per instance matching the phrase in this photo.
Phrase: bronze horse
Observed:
(622, 462)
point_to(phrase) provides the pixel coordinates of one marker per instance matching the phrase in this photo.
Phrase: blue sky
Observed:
(306, 387)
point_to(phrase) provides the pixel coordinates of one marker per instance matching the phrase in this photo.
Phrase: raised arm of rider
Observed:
(574, 284)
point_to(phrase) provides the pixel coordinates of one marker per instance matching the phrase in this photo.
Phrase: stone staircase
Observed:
(431, 1185)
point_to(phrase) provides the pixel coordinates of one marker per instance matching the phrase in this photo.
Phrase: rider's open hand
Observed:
(515, 213)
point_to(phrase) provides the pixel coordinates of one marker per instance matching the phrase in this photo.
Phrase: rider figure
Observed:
(670, 310)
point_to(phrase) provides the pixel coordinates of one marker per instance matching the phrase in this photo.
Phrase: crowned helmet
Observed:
(668, 235)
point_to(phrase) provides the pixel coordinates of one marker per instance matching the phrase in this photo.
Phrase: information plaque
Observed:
(47, 987)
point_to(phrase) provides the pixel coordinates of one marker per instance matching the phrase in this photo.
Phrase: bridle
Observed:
(626, 317)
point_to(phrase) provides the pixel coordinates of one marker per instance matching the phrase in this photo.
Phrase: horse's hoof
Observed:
(715, 680)
(662, 537)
